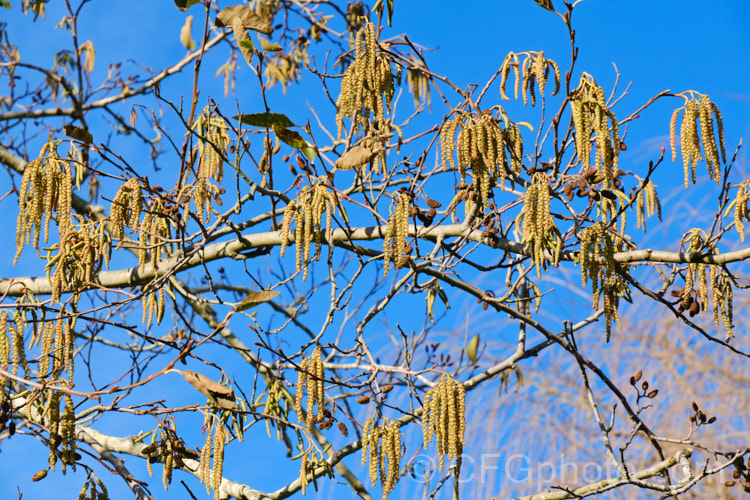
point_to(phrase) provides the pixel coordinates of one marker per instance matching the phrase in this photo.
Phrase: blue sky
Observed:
(670, 44)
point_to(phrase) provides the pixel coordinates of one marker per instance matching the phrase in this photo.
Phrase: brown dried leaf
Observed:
(247, 17)
(471, 350)
(547, 4)
(243, 40)
(186, 34)
(78, 133)
(255, 298)
(291, 137)
(355, 157)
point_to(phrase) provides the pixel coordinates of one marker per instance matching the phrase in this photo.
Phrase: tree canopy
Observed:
(405, 283)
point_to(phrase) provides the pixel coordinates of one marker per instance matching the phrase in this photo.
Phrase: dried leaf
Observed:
(291, 137)
(309, 152)
(246, 47)
(430, 302)
(240, 34)
(247, 17)
(547, 4)
(184, 5)
(379, 9)
(89, 55)
(255, 298)
(266, 120)
(471, 349)
(78, 133)
(214, 391)
(267, 46)
(355, 157)
(443, 296)
(186, 34)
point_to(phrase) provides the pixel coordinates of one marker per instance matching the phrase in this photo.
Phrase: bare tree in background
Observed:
(276, 263)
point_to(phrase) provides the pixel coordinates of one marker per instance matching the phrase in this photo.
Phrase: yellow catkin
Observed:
(535, 68)
(367, 84)
(647, 204)
(303, 473)
(319, 379)
(67, 434)
(461, 410)
(52, 412)
(720, 129)
(708, 277)
(154, 235)
(419, 85)
(17, 334)
(4, 350)
(204, 467)
(366, 439)
(126, 209)
(166, 476)
(307, 212)
(741, 210)
(539, 232)
(375, 454)
(443, 417)
(591, 114)
(705, 119)
(212, 146)
(286, 223)
(69, 347)
(310, 379)
(640, 204)
(596, 258)
(383, 445)
(673, 133)
(218, 468)
(715, 292)
(511, 60)
(396, 231)
(311, 393)
(723, 297)
(702, 285)
(48, 338)
(426, 429)
(689, 141)
(394, 456)
(45, 192)
(726, 304)
(149, 306)
(300, 387)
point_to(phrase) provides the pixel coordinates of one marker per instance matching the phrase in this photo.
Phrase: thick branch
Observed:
(87, 435)
(127, 445)
(234, 248)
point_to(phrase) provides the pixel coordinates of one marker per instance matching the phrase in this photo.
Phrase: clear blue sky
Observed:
(669, 44)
